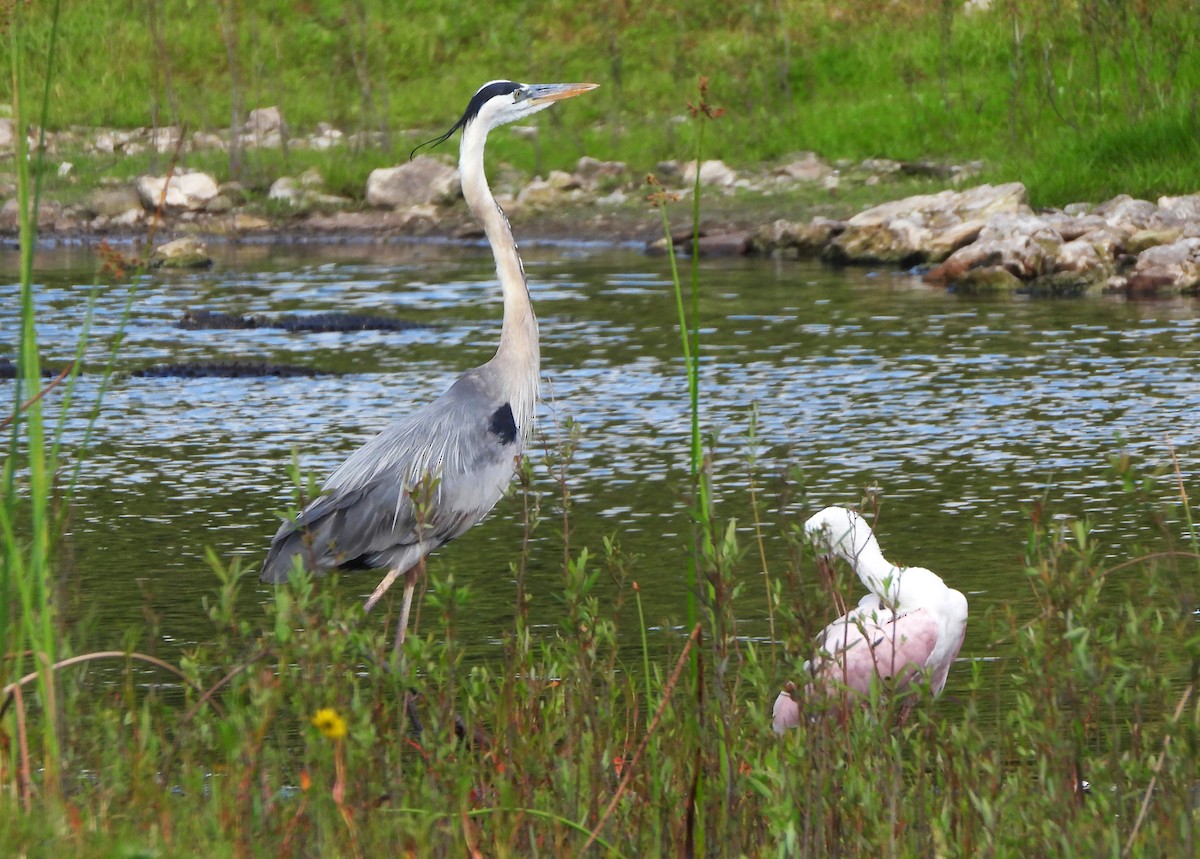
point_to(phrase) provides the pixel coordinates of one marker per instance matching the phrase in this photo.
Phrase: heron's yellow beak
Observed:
(546, 93)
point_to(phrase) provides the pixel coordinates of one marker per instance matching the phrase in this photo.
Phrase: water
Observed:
(964, 411)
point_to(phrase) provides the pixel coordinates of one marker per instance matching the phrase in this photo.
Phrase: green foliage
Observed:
(291, 731)
(1079, 101)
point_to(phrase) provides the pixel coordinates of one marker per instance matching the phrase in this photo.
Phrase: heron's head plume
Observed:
(499, 102)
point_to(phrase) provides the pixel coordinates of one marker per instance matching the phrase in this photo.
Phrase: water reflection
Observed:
(964, 412)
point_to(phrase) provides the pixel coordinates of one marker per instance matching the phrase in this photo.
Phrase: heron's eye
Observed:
(519, 95)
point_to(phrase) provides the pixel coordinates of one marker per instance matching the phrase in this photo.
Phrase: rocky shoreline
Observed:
(983, 238)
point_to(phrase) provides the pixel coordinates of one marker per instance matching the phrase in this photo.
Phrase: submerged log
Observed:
(206, 320)
(225, 370)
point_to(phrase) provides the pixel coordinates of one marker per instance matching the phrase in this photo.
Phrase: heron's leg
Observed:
(410, 584)
(381, 588)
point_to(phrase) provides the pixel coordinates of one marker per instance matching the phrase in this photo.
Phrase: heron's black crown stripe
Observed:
(503, 425)
(486, 92)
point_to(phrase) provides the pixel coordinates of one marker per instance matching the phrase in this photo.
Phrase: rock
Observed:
(420, 181)
(1167, 269)
(130, 218)
(187, 191)
(724, 244)
(48, 215)
(326, 137)
(712, 174)
(904, 231)
(805, 167)
(234, 191)
(414, 220)
(614, 198)
(8, 139)
(202, 140)
(286, 189)
(104, 143)
(188, 252)
(1062, 284)
(1125, 211)
(113, 202)
(880, 166)
(1143, 239)
(263, 121)
(594, 174)
(794, 239)
(667, 170)
(1072, 227)
(219, 205)
(243, 223)
(986, 279)
(1186, 208)
(560, 180)
(943, 244)
(1080, 266)
(312, 178)
(1023, 246)
(896, 241)
(540, 194)
(165, 139)
(64, 169)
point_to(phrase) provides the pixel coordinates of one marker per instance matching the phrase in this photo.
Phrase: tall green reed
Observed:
(26, 511)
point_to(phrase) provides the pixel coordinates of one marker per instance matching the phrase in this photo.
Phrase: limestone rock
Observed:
(420, 181)
(1167, 269)
(165, 139)
(202, 140)
(712, 174)
(904, 231)
(1125, 211)
(1143, 239)
(805, 167)
(1186, 208)
(183, 191)
(48, 215)
(188, 252)
(594, 174)
(264, 120)
(1023, 246)
(8, 136)
(797, 239)
(244, 223)
(286, 189)
(113, 202)
(548, 192)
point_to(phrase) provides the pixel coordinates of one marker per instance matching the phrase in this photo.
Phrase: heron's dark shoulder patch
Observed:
(503, 425)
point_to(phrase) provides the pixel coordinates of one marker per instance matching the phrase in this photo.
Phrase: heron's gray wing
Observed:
(454, 457)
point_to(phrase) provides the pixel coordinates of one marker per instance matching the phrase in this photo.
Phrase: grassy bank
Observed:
(286, 734)
(1079, 101)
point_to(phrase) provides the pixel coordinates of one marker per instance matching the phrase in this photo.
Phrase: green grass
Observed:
(1078, 101)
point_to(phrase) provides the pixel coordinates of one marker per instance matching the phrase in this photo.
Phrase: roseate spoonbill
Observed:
(457, 453)
(909, 626)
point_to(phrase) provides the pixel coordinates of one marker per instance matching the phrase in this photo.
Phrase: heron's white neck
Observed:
(519, 335)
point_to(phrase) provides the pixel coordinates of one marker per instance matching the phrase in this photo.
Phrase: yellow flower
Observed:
(329, 723)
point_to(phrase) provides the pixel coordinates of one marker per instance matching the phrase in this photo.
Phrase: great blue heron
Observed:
(457, 454)
(909, 626)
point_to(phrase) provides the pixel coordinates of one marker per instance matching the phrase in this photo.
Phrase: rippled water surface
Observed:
(964, 411)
